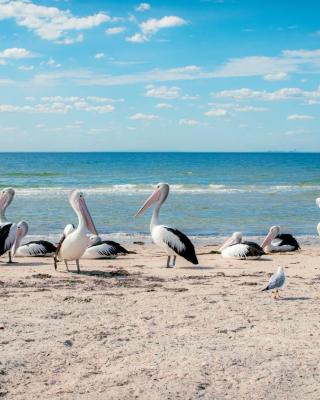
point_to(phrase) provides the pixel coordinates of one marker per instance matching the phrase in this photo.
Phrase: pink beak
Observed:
(87, 216)
(268, 239)
(2, 201)
(229, 242)
(151, 200)
(17, 241)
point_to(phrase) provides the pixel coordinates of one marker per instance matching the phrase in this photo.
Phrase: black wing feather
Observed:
(254, 249)
(189, 252)
(50, 247)
(289, 240)
(4, 232)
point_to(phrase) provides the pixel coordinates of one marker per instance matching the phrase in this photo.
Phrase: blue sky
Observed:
(196, 75)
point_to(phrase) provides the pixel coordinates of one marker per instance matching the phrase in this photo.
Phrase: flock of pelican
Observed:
(76, 244)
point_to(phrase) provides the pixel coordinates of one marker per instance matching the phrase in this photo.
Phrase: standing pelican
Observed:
(6, 197)
(99, 248)
(7, 239)
(276, 282)
(276, 242)
(169, 239)
(75, 241)
(36, 248)
(234, 247)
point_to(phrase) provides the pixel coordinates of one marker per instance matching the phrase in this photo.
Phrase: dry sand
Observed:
(131, 329)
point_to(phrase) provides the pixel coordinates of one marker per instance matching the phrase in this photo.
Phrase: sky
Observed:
(196, 75)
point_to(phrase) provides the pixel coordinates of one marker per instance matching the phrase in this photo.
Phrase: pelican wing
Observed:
(104, 249)
(7, 237)
(38, 248)
(180, 244)
(288, 240)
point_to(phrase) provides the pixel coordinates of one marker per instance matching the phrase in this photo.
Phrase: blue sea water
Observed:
(212, 194)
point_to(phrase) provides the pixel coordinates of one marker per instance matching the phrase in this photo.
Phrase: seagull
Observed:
(276, 282)
(169, 239)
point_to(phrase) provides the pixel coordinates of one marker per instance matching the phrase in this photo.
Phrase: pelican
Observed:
(74, 241)
(276, 242)
(36, 248)
(6, 197)
(276, 282)
(234, 247)
(99, 248)
(7, 239)
(169, 239)
(318, 204)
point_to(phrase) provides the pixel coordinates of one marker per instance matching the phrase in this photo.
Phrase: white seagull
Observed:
(276, 282)
(75, 241)
(276, 242)
(172, 241)
(234, 247)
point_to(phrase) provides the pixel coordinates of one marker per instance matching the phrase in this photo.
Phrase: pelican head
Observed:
(21, 231)
(235, 238)
(6, 197)
(94, 240)
(272, 234)
(158, 196)
(78, 203)
(318, 228)
(318, 202)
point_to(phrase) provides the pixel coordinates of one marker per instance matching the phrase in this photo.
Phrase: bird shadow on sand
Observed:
(198, 267)
(295, 298)
(102, 274)
(24, 264)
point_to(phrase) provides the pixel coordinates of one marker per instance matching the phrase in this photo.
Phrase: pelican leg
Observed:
(174, 261)
(55, 263)
(66, 263)
(10, 258)
(168, 261)
(78, 266)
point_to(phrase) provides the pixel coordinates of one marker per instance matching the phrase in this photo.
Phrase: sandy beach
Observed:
(129, 328)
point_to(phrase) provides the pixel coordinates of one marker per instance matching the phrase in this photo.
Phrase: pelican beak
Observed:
(2, 202)
(87, 216)
(151, 200)
(17, 241)
(229, 242)
(268, 239)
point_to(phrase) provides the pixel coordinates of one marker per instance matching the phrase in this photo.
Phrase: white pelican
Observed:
(6, 197)
(318, 204)
(7, 239)
(75, 241)
(234, 247)
(169, 239)
(276, 282)
(276, 242)
(36, 248)
(99, 248)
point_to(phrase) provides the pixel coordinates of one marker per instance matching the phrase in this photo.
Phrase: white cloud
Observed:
(145, 117)
(162, 92)
(26, 67)
(137, 38)
(77, 39)
(217, 112)
(250, 109)
(50, 23)
(277, 76)
(143, 7)
(153, 25)
(163, 106)
(302, 53)
(296, 132)
(297, 117)
(281, 94)
(15, 53)
(116, 30)
(5, 82)
(189, 122)
(98, 56)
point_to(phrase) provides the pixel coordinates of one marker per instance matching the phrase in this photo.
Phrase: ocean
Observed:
(212, 194)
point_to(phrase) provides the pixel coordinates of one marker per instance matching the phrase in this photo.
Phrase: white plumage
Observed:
(277, 281)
